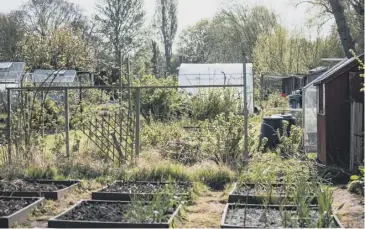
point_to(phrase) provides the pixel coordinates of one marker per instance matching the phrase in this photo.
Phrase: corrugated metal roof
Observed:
(278, 77)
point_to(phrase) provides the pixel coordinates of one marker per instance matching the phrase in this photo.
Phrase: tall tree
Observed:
(194, 43)
(11, 33)
(120, 22)
(166, 19)
(349, 18)
(45, 16)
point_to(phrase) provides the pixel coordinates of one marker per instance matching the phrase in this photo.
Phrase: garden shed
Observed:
(340, 115)
(217, 74)
(285, 84)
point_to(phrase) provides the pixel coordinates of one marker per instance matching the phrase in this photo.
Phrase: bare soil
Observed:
(10, 206)
(349, 208)
(27, 186)
(107, 212)
(261, 190)
(139, 188)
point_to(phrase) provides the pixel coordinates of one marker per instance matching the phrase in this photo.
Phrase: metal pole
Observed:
(138, 109)
(245, 111)
(42, 115)
(9, 124)
(67, 121)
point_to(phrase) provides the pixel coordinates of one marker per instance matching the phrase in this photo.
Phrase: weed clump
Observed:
(215, 177)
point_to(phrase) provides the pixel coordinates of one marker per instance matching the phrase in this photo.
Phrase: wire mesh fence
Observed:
(44, 122)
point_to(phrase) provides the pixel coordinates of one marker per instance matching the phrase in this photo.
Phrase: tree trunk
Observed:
(154, 58)
(342, 27)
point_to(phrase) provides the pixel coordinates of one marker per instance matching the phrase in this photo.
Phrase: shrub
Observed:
(223, 139)
(157, 133)
(186, 152)
(209, 103)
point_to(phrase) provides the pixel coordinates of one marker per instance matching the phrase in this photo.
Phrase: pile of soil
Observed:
(27, 186)
(252, 190)
(140, 188)
(10, 206)
(271, 218)
(103, 212)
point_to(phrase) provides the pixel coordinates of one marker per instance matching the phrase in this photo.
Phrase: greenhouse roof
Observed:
(11, 71)
(279, 77)
(52, 76)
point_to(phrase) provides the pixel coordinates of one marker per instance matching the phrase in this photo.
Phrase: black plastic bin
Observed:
(269, 128)
(291, 120)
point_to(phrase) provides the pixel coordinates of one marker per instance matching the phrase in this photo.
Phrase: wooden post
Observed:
(9, 124)
(245, 112)
(67, 121)
(138, 109)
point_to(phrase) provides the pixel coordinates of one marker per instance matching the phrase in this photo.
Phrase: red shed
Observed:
(340, 115)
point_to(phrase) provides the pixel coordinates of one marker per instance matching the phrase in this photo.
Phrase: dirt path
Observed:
(349, 208)
(206, 212)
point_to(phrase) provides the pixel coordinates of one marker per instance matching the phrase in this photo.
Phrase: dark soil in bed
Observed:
(28, 186)
(270, 218)
(261, 190)
(135, 187)
(10, 206)
(104, 212)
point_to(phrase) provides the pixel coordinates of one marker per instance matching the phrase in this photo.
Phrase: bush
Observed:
(224, 138)
(209, 103)
(157, 133)
(160, 104)
(186, 152)
(215, 177)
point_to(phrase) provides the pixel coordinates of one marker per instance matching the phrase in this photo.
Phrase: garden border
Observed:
(21, 215)
(56, 223)
(120, 196)
(51, 195)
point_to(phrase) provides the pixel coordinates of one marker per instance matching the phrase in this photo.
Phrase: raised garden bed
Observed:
(49, 189)
(251, 194)
(108, 214)
(16, 209)
(256, 216)
(125, 191)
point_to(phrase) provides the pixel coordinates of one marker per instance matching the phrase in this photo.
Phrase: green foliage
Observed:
(215, 177)
(223, 139)
(325, 199)
(357, 182)
(209, 103)
(47, 173)
(159, 172)
(158, 133)
(160, 104)
(290, 145)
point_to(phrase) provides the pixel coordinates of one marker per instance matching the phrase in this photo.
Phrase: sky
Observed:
(192, 11)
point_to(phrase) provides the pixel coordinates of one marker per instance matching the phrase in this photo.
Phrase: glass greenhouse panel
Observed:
(217, 74)
(55, 77)
(310, 118)
(11, 71)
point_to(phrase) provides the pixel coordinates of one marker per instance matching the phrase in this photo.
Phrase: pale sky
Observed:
(191, 11)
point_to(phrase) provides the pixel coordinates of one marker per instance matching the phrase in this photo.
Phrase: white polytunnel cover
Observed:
(52, 76)
(214, 74)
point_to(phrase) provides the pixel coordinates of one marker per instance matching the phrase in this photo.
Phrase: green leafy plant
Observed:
(357, 182)
(215, 177)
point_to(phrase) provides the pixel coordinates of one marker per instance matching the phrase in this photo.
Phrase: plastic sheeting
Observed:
(217, 74)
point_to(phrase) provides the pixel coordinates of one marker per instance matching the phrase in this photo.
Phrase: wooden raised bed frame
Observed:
(53, 195)
(20, 216)
(230, 205)
(259, 199)
(120, 196)
(56, 223)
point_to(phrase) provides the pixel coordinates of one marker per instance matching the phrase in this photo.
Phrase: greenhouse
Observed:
(310, 109)
(10, 74)
(217, 74)
(54, 78)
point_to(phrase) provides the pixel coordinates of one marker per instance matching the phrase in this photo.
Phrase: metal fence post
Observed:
(67, 121)
(245, 112)
(138, 109)
(9, 123)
